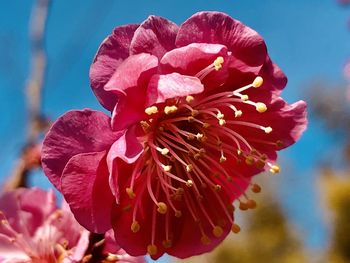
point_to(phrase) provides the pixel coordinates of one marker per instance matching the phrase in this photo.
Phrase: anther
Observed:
(256, 188)
(218, 231)
(235, 228)
(170, 109)
(217, 187)
(189, 99)
(190, 119)
(151, 110)
(238, 113)
(218, 63)
(178, 213)
(167, 243)
(112, 258)
(267, 129)
(258, 81)
(220, 115)
(244, 97)
(194, 113)
(249, 160)
(251, 204)
(130, 192)
(205, 240)
(145, 126)
(189, 183)
(199, 136)
(162, 208)
(135, 226)
(163, 151)
(260, 107)
(222, 122)
(152, 249)
(243, 206)
(166, 168)
(223, 159)
(206, 125)
(275, 169)
(189, 168)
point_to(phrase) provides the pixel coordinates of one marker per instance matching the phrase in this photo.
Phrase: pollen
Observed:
(235, 228)
(135, 226)
(170, 109)
(205, 240)
(218, 63)
(162, 208)
(152, 249)
(166, 168)
(189, 99)
(258, 81)
(275, 169)
(218, 231)
(260, 107)
(130, 192)
(151, 110)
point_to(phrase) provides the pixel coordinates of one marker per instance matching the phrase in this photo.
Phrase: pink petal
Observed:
(111, 53)
(174, 85)
(9, 252)
(215, 27)
(92, 205)
(73, 133)
(156, 36)
(128, 149)
(79, 250)
(129, 79)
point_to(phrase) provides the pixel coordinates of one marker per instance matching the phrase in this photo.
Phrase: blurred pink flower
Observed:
(34, 230)
(196, 113)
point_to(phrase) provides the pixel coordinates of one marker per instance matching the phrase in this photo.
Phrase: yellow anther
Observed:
(189, 98)
(218, 231)
(152, 249)
(166, 168)
(220, 115)
(258, 81)
(244, 97)
(256, 188)
(189, 168)
(267, 130)
(199, 136)
(194, 113)
(145, 126)
(170, 109)
(222, 122)
(249, 160)
(151, 110)
(112, 258)
(167, 243)
(130, 192)
(251, 204)
(162, 208)
(238, 113)
(163, 151)
(223, 159)
(178, 213)
(260, 107)
(218, 63)
(217, 187)
(206, 125)
(275, 169)
(239, 152)
(235, 228)
(189, 183)
(205, 240)
(190, 119)
(135, 226)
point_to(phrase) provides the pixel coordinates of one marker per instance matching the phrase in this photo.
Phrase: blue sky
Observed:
(307, 39)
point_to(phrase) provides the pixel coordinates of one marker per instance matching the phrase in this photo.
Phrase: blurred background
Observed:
(303, 213)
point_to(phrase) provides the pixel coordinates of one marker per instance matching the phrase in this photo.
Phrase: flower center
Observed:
(188, 141)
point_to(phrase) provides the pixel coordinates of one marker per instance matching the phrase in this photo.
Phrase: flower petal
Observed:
(215, 27)
(111, 53)
(9, 252)
(169, 86)
(73, 133)
(156, 36)
(92, 206)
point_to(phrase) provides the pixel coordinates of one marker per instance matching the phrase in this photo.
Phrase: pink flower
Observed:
(33, 229)
(196, 113)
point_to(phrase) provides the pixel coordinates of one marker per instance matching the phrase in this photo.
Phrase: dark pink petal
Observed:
(174, 85)
(129, 79)
(73, 133)
(111, 53)
(156, 36)
(86, 189)
(218, 28)
(128, 149)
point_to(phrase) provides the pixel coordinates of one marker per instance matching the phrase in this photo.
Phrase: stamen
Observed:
(163, 151)
(189, 99)
(166, 168)
(235, 228)
(258, 81)
(151, 110)
(170, 109)
(130, 192)
(162, 208)
(274, 168)
(189, 183)
(205, 240)
(218, 231)
(218, 63)
(135, 226)
(256, 188)
(260, 107)
(152, 249)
